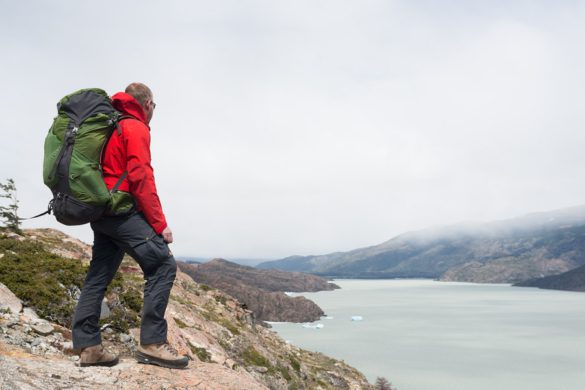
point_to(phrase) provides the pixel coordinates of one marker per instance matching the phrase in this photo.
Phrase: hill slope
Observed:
(508, 251)
(573, 280)
(228, 349)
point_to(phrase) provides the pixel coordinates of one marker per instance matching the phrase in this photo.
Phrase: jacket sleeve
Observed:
(141, 177)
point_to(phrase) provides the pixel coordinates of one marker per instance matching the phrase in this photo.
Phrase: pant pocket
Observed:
(150, 252)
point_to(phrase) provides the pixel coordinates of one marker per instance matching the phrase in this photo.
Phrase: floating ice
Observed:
(313, 326)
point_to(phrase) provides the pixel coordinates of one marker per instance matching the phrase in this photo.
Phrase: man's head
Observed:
(143, 95)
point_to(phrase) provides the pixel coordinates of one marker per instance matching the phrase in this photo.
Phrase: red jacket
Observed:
(130, 151)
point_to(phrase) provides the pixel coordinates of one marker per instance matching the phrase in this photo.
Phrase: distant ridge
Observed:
(506, 251)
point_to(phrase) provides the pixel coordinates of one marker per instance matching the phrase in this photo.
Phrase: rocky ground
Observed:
(227, 348)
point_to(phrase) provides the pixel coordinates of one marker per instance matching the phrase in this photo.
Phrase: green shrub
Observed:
(284, 372)
(254, 358)
(42, 280)
(125, 301)
(47, 283)
(132, 299)
(201, 353)
(180, 323)
(233, 328)
(295, 364)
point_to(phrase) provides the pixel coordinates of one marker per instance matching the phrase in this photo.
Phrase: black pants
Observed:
(114, 236)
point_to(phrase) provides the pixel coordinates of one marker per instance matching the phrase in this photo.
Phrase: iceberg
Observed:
(357, 318)
(313, 326)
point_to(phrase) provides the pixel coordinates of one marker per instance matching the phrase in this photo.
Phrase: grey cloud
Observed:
(307, 127)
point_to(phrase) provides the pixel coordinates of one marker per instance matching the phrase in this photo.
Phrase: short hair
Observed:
(140, 92)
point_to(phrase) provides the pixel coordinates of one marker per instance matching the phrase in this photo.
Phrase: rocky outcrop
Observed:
(228, 350)
(60, 243)
(262, 291)
(9, 303)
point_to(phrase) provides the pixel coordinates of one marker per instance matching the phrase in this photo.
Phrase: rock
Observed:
(74, 292)
(9, 301)
(125, 338)
(29, 315)
(15, 236)
(260, 369)
(63, 333)
(12, 322)
(43, 328)
(105, 311)
(67, 348)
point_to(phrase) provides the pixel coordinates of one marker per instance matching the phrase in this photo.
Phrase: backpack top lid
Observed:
(84, 103)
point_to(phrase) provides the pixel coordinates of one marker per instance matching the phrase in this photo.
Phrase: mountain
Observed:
(573, 280)
(262, 291)
(191, 260)
(250, 262)
(40, 283)
(507, 251)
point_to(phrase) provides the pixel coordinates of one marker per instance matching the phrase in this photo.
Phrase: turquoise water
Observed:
(428, 335)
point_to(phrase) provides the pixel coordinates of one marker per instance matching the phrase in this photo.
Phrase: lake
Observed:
(429, 335)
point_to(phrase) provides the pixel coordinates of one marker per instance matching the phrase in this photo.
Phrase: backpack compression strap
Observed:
(50, 207)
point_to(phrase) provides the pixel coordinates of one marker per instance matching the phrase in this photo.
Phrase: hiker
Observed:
(143, 233)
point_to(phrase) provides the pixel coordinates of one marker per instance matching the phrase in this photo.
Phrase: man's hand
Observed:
(167, 235)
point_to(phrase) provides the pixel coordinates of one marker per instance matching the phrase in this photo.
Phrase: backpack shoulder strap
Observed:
(119, 182)
(120, 119)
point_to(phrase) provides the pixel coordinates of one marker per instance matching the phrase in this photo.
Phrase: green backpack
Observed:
(73, 152)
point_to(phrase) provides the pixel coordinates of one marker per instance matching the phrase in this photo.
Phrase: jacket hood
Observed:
(127, 105)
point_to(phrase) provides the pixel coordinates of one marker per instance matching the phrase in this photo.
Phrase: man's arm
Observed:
(141, 178)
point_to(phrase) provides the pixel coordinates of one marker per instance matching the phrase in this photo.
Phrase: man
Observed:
(142, 232)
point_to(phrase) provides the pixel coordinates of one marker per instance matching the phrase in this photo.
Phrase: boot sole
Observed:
(100, 364)
(147, 359)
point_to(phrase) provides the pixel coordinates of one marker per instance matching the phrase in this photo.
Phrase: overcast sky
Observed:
(306, 127)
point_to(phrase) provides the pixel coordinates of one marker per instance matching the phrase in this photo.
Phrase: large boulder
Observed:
(9, 301)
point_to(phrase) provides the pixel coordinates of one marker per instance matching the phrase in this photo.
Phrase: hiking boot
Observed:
(96, 355)
(162, 354)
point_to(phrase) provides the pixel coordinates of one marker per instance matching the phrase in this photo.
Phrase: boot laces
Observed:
(171, 349)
